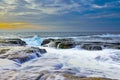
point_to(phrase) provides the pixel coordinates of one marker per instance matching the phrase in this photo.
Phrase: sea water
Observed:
(104, 63)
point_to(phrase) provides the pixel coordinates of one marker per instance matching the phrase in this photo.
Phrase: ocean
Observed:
(52, 34)
(97, 63)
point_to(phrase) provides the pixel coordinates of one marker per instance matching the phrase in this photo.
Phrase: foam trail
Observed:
(87, 62)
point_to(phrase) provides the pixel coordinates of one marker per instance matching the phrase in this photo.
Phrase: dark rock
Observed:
(55, 42)
(12, 42)
(91, 47)
(42, 51)
(112, 45)
(46, 41)
(65, 45)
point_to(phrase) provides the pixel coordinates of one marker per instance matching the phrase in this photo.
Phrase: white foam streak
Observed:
(86, 62)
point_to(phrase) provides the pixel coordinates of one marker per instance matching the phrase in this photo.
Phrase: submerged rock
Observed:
(22, 54)
(43, 75)
(91, 47)
(44, 64)
(46, 41)
(65, 45)
(12, 42)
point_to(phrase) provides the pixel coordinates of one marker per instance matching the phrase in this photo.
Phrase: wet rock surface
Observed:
(91, 47)
(43, 75)
(12, 42)
(87, 43)
(65, 45)
(21, 54)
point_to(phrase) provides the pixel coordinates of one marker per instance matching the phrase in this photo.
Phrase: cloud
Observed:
(98, 6)
(13, 8)
(20, 26)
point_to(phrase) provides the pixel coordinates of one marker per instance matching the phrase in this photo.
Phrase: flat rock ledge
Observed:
(20, 53)
(12, 42)
(42, 75)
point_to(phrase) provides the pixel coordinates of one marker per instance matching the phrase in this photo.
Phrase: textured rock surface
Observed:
(91, 47)
(12, 42)
(43, 75)
(65, 45)
(21, 54)
(88, 43)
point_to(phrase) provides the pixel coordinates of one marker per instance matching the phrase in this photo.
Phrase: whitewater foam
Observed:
(85, 62)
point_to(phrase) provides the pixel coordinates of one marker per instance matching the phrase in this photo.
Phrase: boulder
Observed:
(22, 54)
(91, 47)
(55, 42)
(65, 45)
(50, 44)
(46, 41)
(12, 42)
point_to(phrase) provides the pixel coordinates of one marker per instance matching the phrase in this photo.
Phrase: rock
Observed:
(3, 50)
(20, 75)
(12, 42)
(46, 41)
(22, 54)
(58, 75)
(65, 45)
(55, 42)
(42, 75)
(112, 45)
(91, 47)
(44, 64)
(50, 44)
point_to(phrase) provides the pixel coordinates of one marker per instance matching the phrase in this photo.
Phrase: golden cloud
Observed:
(20, 26)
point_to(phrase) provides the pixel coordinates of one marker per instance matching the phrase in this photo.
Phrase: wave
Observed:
(108, 35)
(34, 41)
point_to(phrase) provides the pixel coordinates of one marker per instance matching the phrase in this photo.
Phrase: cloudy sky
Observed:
(60, 15)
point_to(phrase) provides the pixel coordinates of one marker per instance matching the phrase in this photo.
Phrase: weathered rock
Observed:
(58, 75)
(22, 54)
(20, 75)
(46, 41)
(3, 50)
(55, 42)
(66, 45)
(91, 47)
(43, 75)
(12, 42)
(50, 44)
(112, 45)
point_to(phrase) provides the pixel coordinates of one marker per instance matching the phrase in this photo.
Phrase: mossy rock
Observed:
(65, 45)
(46, 41)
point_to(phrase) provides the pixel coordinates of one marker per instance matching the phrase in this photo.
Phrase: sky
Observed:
(60, 15)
